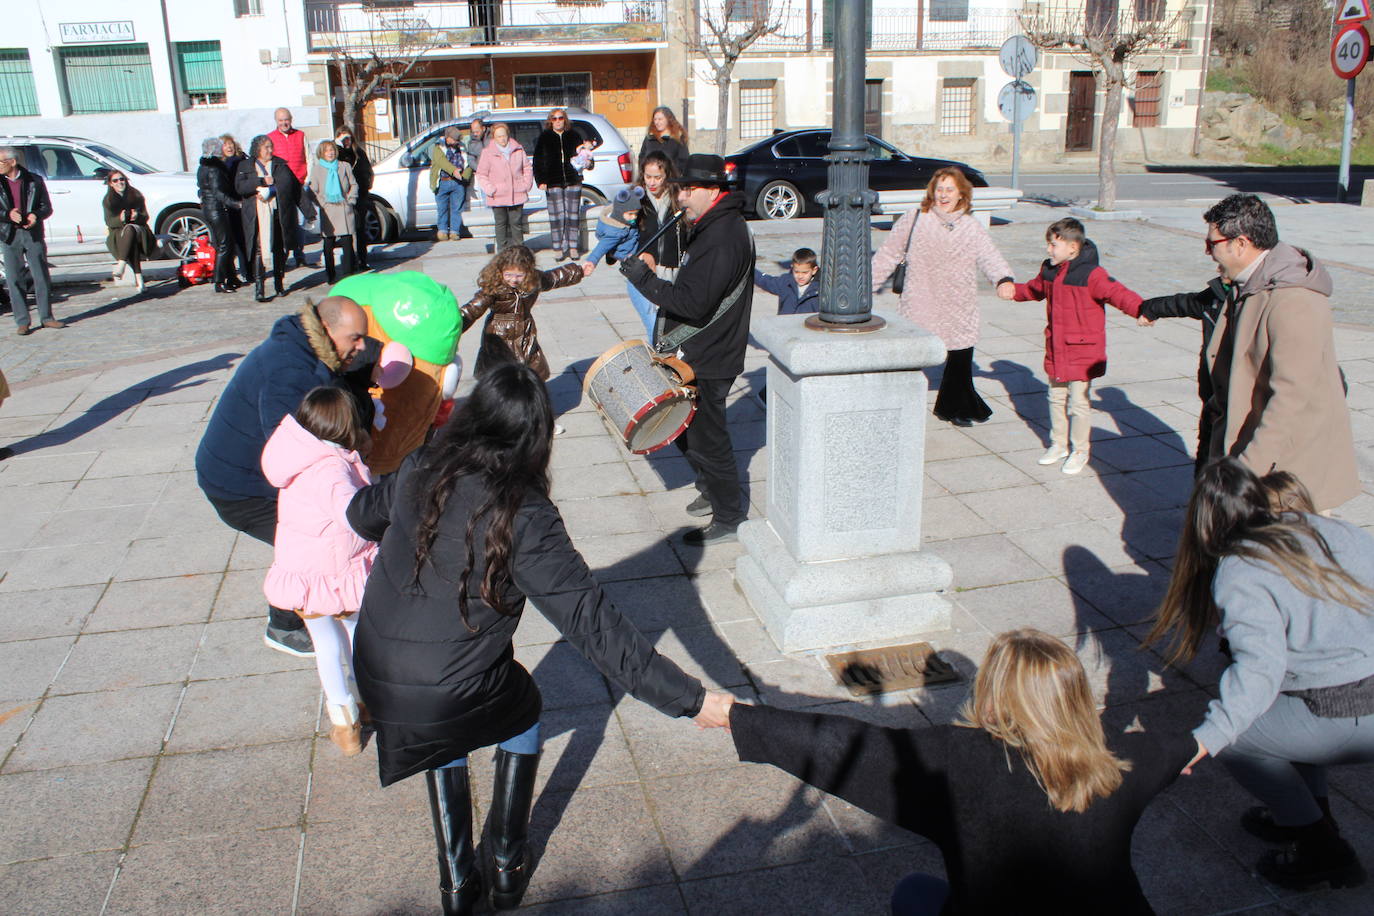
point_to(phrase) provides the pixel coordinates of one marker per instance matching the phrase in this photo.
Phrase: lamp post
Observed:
(846, 301)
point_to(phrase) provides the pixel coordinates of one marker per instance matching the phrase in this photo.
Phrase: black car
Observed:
(780, 176)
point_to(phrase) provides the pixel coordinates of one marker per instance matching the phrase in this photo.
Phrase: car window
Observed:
(62, 163)
(815, 145)
(787, 149)
(418, 157)
(122, 160)
(879, 151)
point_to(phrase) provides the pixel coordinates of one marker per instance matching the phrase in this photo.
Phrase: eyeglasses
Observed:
(119, 181)
(559, 118)
(1209, 244)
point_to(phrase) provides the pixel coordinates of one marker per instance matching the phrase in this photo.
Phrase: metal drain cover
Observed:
(871, 671)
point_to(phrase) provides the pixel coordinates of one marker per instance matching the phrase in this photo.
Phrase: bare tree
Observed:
(1107, 35)
(722, 32)
(374, 45)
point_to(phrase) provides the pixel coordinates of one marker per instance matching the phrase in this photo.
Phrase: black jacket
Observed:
(1204, 305)
(675, 152)
(667, 251)
(1006, 849)
(719, 256)
(33, 198)
(246, 183)
(356, 156)
(552, 155)
(216, 186)
(436, 690)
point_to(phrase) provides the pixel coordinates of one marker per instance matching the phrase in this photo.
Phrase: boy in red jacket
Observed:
(1074, 287)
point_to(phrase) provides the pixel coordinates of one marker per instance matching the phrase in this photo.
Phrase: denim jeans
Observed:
(449, 198)
(648, 312)
(527, 742)
(26, 268)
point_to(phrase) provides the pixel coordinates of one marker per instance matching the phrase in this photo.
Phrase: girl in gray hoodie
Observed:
(1292, 595)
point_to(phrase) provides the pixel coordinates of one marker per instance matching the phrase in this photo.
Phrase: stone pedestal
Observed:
(838, 559)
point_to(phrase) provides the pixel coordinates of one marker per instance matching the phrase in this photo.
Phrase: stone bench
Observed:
(985, 201)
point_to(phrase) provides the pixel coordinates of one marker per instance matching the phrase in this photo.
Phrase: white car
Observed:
(402, 201)
(75, 169)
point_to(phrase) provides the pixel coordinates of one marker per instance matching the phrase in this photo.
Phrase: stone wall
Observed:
(1233, 121)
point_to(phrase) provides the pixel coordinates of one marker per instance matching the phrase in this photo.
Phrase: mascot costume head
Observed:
(409, 310)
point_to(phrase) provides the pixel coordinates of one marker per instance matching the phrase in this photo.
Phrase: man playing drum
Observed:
(704, 316)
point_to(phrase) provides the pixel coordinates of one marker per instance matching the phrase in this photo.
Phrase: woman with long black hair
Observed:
(468, 532)
(128, 238)
(1293, 595)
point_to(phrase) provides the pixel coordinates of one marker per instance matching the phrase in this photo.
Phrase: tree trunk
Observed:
(350, 100)
(722, 109)
(1113, 78)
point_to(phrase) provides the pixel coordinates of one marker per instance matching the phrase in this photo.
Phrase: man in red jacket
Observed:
(289, 144)
(1074, 288)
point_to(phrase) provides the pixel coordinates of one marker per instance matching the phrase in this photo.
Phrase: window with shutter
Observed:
(17, 96)
(102, 78)
(200, 67)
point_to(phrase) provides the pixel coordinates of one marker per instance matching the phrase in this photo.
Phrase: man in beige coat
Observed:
(1277, 391)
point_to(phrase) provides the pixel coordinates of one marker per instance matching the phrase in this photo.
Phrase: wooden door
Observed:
(873, 108)
(1082, 99)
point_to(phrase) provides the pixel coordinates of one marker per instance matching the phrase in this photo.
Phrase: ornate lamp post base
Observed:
(838, 559)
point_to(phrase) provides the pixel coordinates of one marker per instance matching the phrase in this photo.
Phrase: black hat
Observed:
(705, 170)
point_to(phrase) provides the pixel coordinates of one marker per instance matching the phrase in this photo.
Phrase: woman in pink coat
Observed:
(506, 176)
(945, 248)
(320, 566)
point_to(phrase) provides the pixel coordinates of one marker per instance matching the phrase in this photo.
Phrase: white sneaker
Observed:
(138, 282)
(1053, 454)
(558, 430)
(1075, 463)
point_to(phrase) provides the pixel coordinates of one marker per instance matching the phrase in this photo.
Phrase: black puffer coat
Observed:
(552, 158)
(437, 690)
(216, 187)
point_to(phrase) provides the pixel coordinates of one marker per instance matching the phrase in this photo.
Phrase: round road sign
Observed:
(1018, 56)
(1016, 101)
(1350, 51)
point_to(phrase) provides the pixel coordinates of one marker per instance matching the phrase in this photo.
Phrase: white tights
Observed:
(333, 638)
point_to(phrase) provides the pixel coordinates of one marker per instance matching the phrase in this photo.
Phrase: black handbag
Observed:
(899, 275)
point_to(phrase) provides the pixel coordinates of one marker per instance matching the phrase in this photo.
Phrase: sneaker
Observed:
(1053, 455)
(714, 533)
(700, 506)
(1076, 462)
(292, 642)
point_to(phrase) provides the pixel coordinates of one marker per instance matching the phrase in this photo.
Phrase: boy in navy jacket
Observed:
(798, 292)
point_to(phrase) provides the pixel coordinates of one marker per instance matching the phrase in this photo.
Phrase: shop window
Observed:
(553, 90)
(17, 96)
(746, 10)
(956, 106)
(247, 8)
(948, 10)
(755, 108)
(103, 78)
(201, 70)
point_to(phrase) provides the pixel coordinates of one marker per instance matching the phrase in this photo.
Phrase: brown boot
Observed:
(346, 732)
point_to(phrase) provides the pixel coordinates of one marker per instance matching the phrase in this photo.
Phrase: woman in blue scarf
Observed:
(336, 195)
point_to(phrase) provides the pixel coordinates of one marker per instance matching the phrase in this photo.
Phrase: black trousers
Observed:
(345, 246)
(257, 518)
(222, 237)
(706, 443)
(957, 399)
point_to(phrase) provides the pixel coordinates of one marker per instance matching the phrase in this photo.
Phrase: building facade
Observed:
(933, 76)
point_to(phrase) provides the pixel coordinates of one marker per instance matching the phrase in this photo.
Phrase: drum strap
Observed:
(671, 341)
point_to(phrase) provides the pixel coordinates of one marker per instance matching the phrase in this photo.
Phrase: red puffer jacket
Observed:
(1076, 323)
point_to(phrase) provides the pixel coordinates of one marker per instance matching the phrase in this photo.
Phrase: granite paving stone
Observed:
(777, 891)
(157, 557)
(31, 887)
(48, 612)
(246, 710)
(105, 796)
(129, 658)
(86, 728)
(234, 648)
(154, 603)
(27, 667)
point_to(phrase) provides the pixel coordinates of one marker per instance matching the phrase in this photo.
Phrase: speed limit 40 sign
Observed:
(1350, 51)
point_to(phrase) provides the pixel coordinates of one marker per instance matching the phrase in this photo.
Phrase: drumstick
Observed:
(677, 218)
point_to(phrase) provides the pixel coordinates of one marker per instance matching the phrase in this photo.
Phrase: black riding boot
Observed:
(450, 804)
(346, 255)
(1317, 854)
(259, 278)
(329, 260)
(512, 795)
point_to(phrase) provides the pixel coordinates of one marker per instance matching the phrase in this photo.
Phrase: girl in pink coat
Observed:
(320, 565)
(506, 176)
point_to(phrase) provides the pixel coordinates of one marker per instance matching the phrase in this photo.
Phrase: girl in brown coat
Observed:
(508, 287)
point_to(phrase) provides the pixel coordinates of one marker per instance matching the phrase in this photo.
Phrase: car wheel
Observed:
(379, 225)
(591, 197)
(779, 200)
(182, 228)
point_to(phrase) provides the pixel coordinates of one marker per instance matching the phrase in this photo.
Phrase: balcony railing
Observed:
(1161, 24)
(338, 25)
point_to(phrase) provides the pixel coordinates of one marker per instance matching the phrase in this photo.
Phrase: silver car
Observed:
(401, 199)
(74, 170)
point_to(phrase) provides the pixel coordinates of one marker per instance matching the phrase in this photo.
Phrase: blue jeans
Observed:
(449, 198)
(26, 270)
(648, 312)
(919, 895)
(527, 742)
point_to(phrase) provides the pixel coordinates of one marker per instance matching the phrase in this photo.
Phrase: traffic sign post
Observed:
(1016, 101)
(1349, 53)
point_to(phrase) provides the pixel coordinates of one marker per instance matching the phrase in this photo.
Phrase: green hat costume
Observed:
(411, 308)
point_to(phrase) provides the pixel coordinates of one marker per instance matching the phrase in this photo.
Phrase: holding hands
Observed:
(1144, 322)
(715, 710)
(587, 268)
(1006, 290)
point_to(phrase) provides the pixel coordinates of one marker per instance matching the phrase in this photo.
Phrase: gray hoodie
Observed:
(1282, 639)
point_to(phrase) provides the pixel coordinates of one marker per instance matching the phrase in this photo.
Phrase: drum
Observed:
(642, 396)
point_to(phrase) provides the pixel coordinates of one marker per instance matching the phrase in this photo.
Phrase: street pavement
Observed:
(156, 758)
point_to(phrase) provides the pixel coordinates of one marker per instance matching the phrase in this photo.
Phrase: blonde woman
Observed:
(1030, 804)
(1293, 595)
(336, 195)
